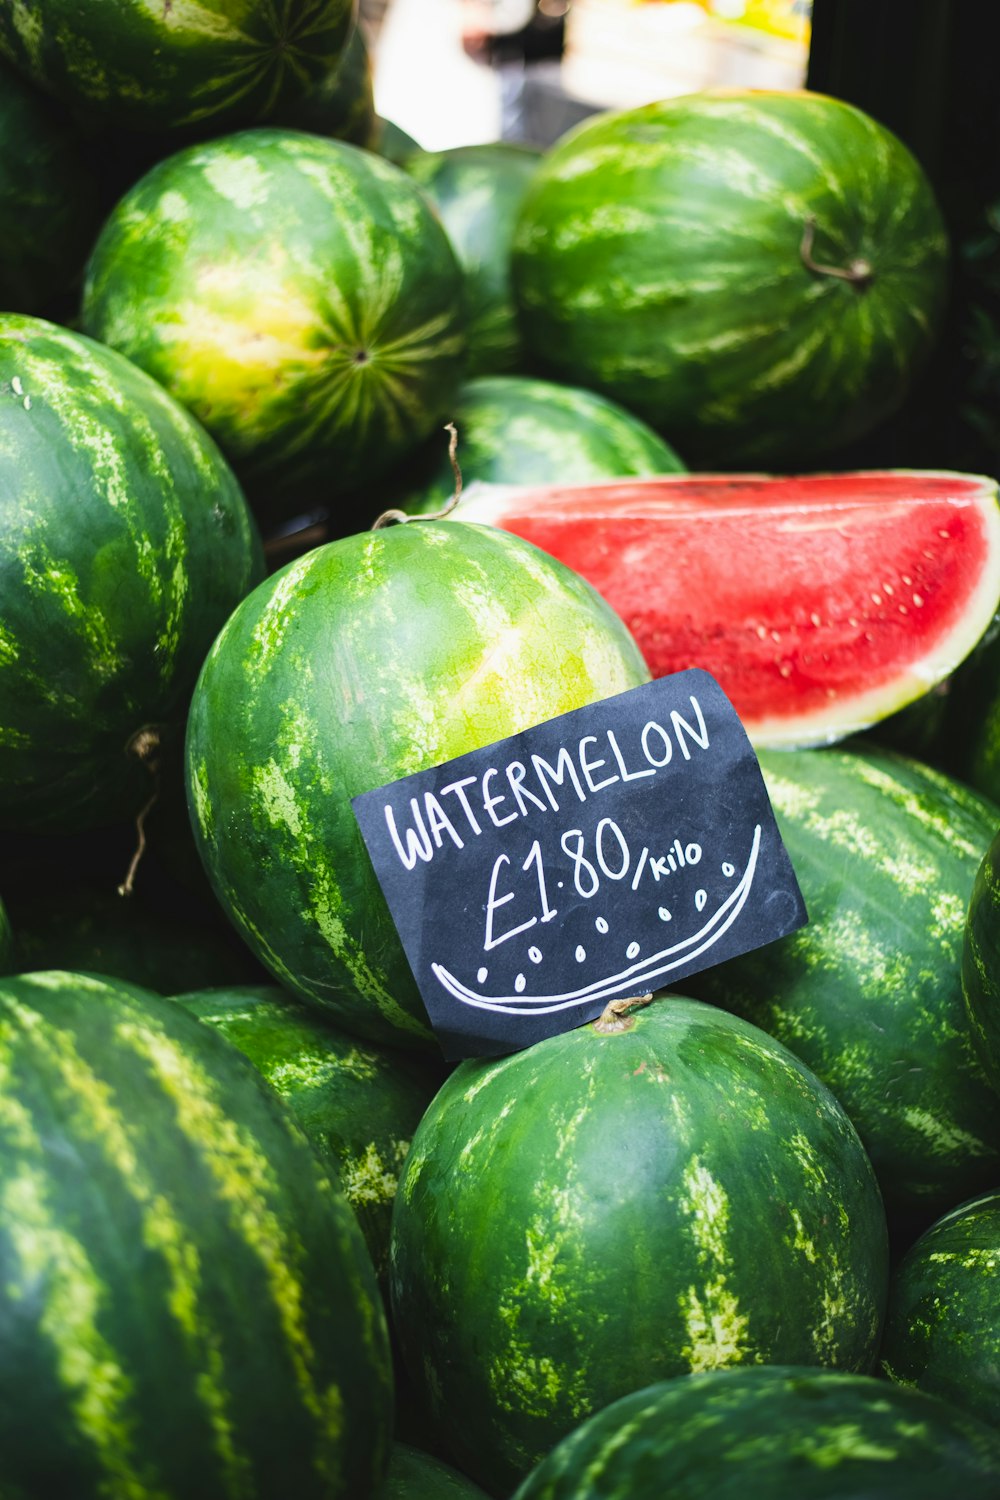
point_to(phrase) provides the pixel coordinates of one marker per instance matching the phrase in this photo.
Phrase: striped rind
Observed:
(516, 430)
(822, 603)
(182, 63)
(869, 992)
(298, 294)
(187, 1306)
(682, 1195)
(942, 1332)
(358, 1105)
(362, 661)
(787, 1433)
(48, 203)
(657, 258)
(415, 1475)
(341, 103)
(478, 191)
(981, 961)
(125, 541)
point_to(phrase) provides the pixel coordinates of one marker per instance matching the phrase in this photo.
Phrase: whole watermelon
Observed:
(125, 542)
(414, 1475)
(297, 294)
(869, 992)
(609, 1208)
(368, 658)
(774, 1434)
(358, 1105)
(186, 1303)
(512, 429)
(175, 65)
(478, 190)
(48, 204)
(758, 274)
(942, 1331)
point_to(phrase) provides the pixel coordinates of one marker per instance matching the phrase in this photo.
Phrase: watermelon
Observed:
(678, 1195)
(821, 602)
(478, 190)
(414, 1475)
(359, 1106)
(125, 542)
(981, 960)
(758, 274)
(186, 1302)
(361, 661)
(297, 294)
(869, 993)
(175, 65)
(781, 1433)
(514, 430)
(47, 200)
(342, 103)
(942, 1332)
(392, 141)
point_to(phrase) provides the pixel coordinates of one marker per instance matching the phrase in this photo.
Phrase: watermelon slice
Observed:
(821, 602)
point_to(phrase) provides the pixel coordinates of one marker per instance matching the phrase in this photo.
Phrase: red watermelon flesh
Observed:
(821, 602)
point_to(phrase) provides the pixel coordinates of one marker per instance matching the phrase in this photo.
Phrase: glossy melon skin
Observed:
(658, 257)
(414, 1475)
(178, 65)
(125, 542)
(600, 1211)
(362, 661)
(942, 1332)
(516, 430)
(777, 1434)
(869, 992)
(187, 1305)
(297, 294)
(358, 1105)
(478, 190)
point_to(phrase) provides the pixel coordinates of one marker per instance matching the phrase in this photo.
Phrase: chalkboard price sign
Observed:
(601, 855)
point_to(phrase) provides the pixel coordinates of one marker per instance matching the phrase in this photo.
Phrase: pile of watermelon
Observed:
(325, 459)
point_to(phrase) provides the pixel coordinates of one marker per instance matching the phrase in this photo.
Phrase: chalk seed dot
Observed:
(727, 868)
(700, 897)
(664, 915)
(581, 953)
(535, 954)
(482, 976)
(26, 403)
(519, 983)
(16, 386)
(632, 951)
(601, 925)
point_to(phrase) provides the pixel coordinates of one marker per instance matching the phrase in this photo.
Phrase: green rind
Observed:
(601, 1211)
(362, 661)
(188, 1309)
(125, 542)
(414, 1475)
(358, 1105)
(942, 1332)
(48, 204)
(6, 941)
(869, 992)
(478, 191)
(657, 259)
(512, 429)
(206, 64)
(981, 961)
(782, 1433)
(342, 103)
(297, 294)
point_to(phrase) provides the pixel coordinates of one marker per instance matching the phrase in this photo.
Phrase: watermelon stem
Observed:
(145, 745)
(615, 1015)
(394, 517)
(858, 271)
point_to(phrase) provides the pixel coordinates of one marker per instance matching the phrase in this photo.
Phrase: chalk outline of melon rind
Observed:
(639, 973)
